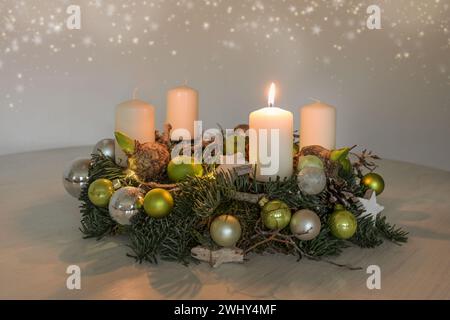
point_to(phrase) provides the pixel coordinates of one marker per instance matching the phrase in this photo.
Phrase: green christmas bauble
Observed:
(276, 214)
(373, 181)
(158, 203)
(342, 224)
(181, 167)
(225, 230)
(100, 191)
(309, 161)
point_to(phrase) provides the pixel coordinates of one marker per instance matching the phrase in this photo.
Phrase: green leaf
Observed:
(339, 154)
(125, 142)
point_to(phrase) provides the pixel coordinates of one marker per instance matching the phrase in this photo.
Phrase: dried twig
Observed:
(365, 159)
(153, 185)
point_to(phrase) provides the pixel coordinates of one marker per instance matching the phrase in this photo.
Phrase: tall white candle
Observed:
(182, 111)
(276, 122)
(318, 125)
(136, 119)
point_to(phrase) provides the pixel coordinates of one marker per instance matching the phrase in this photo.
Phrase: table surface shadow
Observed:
(40, 238)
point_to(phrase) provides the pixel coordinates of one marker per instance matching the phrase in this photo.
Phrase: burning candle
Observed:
(318, 125)
(271, 141)
(136, 119)
(182, 112)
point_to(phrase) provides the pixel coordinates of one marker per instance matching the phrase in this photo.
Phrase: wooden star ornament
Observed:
(371, 207)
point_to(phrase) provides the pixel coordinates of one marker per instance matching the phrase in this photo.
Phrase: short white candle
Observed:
(270, 118)
(318, 125)
(136, 119)
(182, 111)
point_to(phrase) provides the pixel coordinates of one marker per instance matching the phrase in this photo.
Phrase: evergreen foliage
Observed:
(199, 199)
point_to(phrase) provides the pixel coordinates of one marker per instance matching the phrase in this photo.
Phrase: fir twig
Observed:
(198, 200)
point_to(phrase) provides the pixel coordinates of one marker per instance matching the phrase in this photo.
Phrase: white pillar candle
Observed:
(182, 111)
(318, 125)
(261, 148)
(136, 119)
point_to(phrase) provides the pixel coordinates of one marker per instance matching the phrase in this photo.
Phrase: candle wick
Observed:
(135, 92)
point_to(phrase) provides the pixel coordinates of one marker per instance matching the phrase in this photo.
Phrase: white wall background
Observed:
(391, 87)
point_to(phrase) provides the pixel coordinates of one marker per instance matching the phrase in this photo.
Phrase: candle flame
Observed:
(271, 99)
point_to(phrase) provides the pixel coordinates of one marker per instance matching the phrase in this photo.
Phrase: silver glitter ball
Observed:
(312, 180)
(76, 175)
(125, 204)
(305, 224)
(105, 146)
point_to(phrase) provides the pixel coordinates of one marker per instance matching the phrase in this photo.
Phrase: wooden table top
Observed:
(39, 239)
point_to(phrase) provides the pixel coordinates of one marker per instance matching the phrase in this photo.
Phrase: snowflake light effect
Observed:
(38, 30)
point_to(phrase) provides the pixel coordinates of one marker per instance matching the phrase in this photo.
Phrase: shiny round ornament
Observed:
(225, 230)
(158, 203)
(125, 204)
(181, 167)
(106, 147)
(342, 224)
(309, 161)
(305, 224)
(373, 181)
(312, 180)
(276, 214)
(76, 176)
(100, 191)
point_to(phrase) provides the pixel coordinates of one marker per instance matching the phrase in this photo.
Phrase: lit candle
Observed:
(271, 141)
(318, 125)
(182, 112)
(136, 119)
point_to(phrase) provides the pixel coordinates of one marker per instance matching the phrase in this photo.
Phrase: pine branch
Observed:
(367, 235)
(198, 200)
(390, 232)
(96, 222)
(370, 232)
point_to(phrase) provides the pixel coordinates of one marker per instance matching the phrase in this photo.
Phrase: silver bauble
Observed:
(312, 180)
(76, 175)
(125, 204)
(105, 146)
(305, 224)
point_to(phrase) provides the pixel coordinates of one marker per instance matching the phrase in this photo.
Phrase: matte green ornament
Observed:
(181, 167)
(158, 203)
